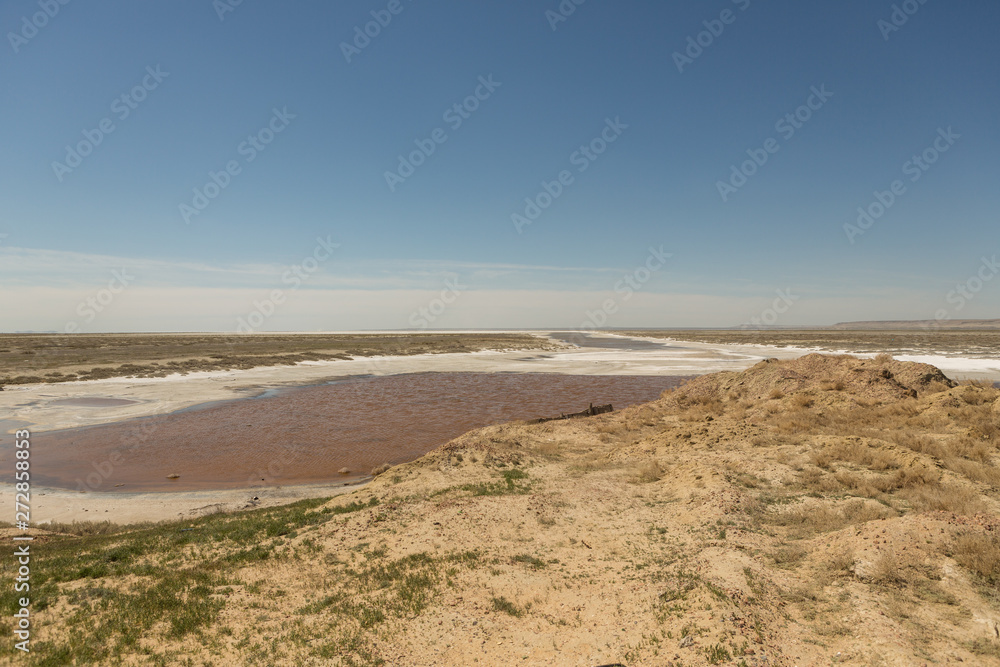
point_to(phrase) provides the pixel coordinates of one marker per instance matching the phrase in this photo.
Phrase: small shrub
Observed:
(945, 497)
(980, 554)
(802, 400)
(651, 471)
(506, 606)
(936, 387)
(717, 654)
(527, 559)
(886, 571)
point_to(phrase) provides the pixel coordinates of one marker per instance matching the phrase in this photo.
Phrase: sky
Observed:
(201, 165)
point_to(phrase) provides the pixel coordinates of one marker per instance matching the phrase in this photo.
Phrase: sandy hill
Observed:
(820, 511)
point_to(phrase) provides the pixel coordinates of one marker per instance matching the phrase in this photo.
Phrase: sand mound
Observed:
(881, 378)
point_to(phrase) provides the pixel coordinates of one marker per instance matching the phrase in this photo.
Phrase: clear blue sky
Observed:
(657, 184)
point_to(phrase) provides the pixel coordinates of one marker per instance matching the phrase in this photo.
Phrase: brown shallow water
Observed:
(308, 434)
(96, 402)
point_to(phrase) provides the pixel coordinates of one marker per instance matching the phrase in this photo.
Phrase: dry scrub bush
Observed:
(841, 561)
(862, 511)
(936, 387)
(977, 472)
(380, 469)
(698, 408)
(971, 448)
(919, 443)
(548, 449)
(978, 392)
(776, 394)
(807, 519)
(856, 452)
(883, 358)
(800, 422)
(983, 423)
(788, 555)
(945, 497)
(902, 409)
(875, 486)
(593, 461)
(610, 427)
(885, 570)
(857, 484)
(980, 554)
(645, 473)
(802, 400)
(910, 477)
(770, 440)
(815, 481)
(822, 458)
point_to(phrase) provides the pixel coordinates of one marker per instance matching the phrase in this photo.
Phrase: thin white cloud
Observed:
(22, 267)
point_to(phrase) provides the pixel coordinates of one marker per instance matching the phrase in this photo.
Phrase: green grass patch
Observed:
(536, 563)
(125, 582)
(504, 605)
(515, 481)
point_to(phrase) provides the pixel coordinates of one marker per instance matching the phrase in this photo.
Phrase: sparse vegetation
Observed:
(505, 606)
(29, 358)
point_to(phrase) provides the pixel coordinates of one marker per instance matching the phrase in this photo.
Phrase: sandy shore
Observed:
(62, 505)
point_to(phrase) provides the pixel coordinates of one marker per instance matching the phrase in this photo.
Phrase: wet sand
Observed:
(60, 505)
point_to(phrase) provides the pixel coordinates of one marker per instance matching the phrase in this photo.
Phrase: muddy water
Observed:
(307, 435)
(94, 402)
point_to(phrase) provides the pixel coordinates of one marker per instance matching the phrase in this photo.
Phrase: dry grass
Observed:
(947, 498)
(886, 570)
(802, 400)
(980, 554)
(807, 519)
(977, 472)
(936, 388)
(841, 562)
(855, 452)
(648, 472)
(549, 449)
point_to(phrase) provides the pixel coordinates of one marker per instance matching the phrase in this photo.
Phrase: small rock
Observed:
(173, 475)
(344, 471)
